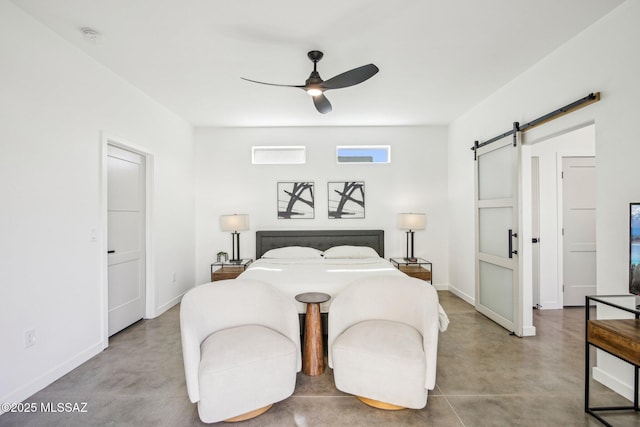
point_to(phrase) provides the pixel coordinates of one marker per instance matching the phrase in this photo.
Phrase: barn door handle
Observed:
(511, 236)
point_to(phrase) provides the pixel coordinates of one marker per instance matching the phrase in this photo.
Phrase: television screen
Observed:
(634, 249)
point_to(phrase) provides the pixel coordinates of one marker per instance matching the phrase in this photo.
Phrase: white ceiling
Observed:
(437, 58)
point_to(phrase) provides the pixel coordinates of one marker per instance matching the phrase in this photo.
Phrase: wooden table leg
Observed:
(313, 353)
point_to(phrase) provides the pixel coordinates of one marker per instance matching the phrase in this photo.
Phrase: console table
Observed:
(618, 337)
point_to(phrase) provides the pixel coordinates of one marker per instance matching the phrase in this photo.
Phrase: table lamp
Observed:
(234, 223)
(411, 222)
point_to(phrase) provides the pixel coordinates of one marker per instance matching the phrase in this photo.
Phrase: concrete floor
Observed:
(485, 378)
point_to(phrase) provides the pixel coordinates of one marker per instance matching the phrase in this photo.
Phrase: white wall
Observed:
(415, 181)
(55, 104)
(599, 59)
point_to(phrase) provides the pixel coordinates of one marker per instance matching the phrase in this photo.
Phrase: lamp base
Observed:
(409, 257)
(235, 248)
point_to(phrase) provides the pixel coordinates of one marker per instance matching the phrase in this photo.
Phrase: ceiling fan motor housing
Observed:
(314, 79)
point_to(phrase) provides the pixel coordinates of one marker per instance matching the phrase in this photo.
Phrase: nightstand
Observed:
(228, 270)
(420, 268)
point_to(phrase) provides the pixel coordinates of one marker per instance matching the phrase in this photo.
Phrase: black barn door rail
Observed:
(576, 105)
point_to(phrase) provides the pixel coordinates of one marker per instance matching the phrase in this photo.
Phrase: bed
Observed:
(297, 261)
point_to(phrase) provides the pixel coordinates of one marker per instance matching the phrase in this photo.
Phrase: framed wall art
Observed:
(296, 200)
(346, 199)
(634, 248)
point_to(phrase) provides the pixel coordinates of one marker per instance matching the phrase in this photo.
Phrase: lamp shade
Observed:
(412, 221)
(234, 222)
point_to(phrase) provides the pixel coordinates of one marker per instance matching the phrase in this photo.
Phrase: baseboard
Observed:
(623, 389)
(166, 306)
(529, 331)
(441, 286)
(457, 292)
(550, 305)
(34, 386)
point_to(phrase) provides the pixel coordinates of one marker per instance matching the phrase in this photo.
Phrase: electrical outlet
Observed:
(173, 277)
(30, 338)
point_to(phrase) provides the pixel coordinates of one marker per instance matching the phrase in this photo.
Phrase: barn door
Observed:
(497, 226)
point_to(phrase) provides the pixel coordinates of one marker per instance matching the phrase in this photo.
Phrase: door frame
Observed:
(107, 139)
(546, 264)
(535, 231)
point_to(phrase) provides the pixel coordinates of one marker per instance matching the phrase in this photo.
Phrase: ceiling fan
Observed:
(316, 87)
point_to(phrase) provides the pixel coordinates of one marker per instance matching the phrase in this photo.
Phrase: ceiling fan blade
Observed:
(272, 84)
(322, 104)
(351, 77)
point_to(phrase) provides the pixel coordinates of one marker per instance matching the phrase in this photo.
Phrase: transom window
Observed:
(363, 153)
(278, 155)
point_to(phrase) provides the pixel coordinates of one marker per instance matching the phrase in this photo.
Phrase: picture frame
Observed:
(346, 199)
(296, 200)
(634, 248)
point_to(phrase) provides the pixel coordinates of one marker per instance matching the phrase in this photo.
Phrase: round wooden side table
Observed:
(313, 351)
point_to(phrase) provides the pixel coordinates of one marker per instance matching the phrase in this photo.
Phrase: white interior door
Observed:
(579, 229)
(126, 237)
(497, 225)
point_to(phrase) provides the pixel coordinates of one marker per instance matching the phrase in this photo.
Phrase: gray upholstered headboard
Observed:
(319, 239)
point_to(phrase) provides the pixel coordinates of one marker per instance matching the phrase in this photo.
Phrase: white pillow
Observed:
(293, 252)
(350, 252)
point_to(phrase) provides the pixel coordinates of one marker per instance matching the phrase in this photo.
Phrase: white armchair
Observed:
(383, 341)
(241, 348)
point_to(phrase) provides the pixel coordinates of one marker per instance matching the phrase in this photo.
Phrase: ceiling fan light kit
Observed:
(314, 91)
(316, 87)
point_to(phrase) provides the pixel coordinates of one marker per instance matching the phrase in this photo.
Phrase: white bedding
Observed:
(295, 276)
